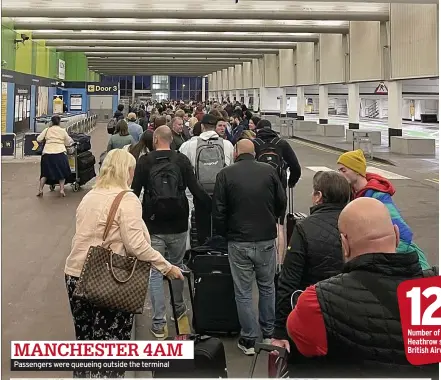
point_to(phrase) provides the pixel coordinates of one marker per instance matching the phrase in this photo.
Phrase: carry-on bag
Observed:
(194, 242)
(214, 309)
(292, 218)
(86, 175)
(277, 362)
(85, 160)
(82, 140)
(110, 280)
(209, 352)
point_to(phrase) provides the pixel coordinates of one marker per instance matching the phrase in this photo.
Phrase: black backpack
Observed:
(166, 189)
(269, 153)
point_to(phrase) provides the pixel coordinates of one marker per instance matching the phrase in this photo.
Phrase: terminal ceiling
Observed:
(192, 37)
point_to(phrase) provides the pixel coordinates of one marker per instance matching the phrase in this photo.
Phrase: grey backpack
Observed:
(210, 160)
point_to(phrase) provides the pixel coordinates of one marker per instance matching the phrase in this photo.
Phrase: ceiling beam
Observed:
(118, 55)
(189, 51)
(156, 43)
(186, 26)
(184, 36)
(166, 59)
(193, 14)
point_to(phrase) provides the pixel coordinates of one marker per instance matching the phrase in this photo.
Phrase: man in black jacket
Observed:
(352, 321)
(248, 199)
(264, 134)
(314, 252)
(165, 174)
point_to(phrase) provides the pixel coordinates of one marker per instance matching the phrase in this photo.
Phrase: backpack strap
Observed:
(259, 141)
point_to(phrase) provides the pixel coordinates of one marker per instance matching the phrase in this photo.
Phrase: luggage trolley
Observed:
(74, 179)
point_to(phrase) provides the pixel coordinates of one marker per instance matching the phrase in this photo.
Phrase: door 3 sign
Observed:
(30, 145)
(102, 89)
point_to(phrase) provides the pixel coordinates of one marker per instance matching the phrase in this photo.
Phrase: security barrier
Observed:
(83, 126)
(9, 148)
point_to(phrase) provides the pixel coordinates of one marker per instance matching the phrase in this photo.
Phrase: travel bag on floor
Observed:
(292, 217)
(86, 175)
(277, 363)
(85, 160)
(209, 352)
(193, 231)
(215, 310)
(82, 140)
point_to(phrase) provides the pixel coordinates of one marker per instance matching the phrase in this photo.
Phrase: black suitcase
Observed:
(82, 140)
(86, 175)
(214, 309)
(85, 160)
(209, 353)
(292, 217)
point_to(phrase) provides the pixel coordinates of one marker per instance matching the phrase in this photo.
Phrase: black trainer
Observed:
(246, 345)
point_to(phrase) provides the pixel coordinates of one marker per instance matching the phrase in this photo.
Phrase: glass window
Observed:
(147, 82)
(129, 83)
(138, 82)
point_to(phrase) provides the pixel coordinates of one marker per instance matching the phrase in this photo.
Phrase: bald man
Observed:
(164, 174)
(248, 199)
(353, 319)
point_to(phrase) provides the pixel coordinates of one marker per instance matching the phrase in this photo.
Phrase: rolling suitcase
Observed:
(277, 363)
(292, 217)
(193, 231)
(86, 175)
(214, 309)
(209, 352)
(82, 140)
(85, 160)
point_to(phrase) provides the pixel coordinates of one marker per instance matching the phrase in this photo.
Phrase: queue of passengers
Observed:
(326, 309)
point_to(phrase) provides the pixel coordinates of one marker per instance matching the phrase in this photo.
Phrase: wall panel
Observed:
(332, 60)
(414, 40)
(365, 52)
(286, 68)
(271, 70)
(247, 75)
(305, 74)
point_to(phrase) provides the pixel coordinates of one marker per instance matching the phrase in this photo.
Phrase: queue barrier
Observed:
(9, 145)
(83, 126)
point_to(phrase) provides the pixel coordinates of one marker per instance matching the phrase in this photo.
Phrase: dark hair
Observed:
(197, 129)
(248, 114)
(121, 107)
(146, 141)
(55, 120)
(216, 113)
(224, 115)
(255, 120)
(141, 114)
(237, 114)
(263, 124)
(122, 128)
(334, 187)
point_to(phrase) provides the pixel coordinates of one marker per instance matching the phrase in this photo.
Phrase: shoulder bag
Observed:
(113, 281)
(41, 145)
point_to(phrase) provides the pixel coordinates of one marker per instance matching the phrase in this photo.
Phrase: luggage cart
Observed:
(74, 179)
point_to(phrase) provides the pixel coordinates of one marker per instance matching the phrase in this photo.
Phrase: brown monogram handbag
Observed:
(110, 280)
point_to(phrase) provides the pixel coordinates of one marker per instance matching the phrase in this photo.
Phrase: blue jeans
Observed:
(247, 260)
(172, 247)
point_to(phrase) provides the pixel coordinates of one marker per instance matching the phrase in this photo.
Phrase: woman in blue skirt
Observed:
(54, 163)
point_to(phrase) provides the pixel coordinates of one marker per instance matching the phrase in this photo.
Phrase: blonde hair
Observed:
(192, 121)
(114, 171)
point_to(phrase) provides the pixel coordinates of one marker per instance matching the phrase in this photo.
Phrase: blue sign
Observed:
(8, 144)
(31, 145)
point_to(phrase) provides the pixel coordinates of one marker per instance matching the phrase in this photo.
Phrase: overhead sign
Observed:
(61, 69)
(8, 144)
(102, 89)
(381, 89)
(30, 145)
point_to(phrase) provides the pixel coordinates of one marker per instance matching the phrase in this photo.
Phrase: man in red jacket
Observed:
(352, 320)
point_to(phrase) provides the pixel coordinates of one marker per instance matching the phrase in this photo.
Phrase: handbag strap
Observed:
(112, 212)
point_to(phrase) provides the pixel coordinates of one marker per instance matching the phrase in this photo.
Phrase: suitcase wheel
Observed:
(52, 187)
(75, 186)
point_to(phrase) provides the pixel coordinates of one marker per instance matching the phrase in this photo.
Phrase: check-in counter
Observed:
(67, 119)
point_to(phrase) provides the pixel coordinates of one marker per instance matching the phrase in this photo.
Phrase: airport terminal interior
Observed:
(330, 76)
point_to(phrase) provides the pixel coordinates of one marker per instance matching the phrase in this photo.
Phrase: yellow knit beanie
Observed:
(354, 160)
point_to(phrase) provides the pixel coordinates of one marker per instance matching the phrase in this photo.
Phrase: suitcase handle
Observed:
(187, 275)
(259, 347)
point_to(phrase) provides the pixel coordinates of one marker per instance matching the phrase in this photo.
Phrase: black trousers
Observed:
(92, 323)
(203, 223)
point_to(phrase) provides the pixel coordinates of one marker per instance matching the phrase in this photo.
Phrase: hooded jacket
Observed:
(288, 155)
(380, 188)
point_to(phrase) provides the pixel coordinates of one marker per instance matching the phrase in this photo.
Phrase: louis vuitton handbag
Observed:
(110, 280)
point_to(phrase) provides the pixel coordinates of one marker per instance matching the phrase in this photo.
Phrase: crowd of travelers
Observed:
(333, 305)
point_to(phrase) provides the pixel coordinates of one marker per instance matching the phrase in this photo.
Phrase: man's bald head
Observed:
(245, 146)
(366, 227)
(162, 137)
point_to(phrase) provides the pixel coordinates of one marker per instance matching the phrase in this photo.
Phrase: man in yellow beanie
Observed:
(353, 166)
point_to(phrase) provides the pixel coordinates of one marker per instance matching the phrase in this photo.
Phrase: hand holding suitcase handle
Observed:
(258, 347)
